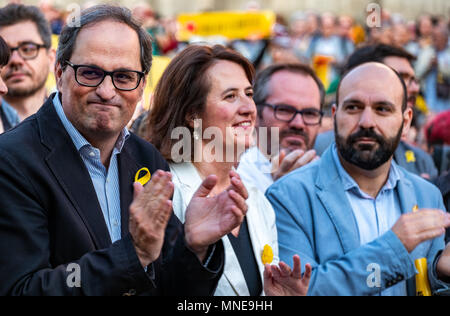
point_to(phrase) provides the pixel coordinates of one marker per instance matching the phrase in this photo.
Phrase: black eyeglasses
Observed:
(28, 50)
(287, 113)
(92, 76)
(409, 79)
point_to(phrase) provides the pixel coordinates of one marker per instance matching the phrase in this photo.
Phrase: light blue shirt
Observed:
(374, 216)
(105, 181)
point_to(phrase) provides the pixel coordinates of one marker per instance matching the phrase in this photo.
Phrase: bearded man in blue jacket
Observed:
(358, 218)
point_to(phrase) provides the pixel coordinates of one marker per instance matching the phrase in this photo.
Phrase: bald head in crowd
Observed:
(371, 115)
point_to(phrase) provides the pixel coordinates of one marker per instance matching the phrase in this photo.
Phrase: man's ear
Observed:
(58, 75)
(144, 82)
(52, 58)
(141, 90)
(407, 119)
(333, 110)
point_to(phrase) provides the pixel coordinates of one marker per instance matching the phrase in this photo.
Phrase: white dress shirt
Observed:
(255, 169)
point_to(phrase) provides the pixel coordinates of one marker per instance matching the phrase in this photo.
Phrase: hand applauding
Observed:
(208, 219)
(282, 281)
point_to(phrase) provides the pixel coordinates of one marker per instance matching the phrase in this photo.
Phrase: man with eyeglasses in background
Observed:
(28, 34)
(289, 98)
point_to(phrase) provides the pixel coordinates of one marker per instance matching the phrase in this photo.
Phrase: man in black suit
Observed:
(72, 220)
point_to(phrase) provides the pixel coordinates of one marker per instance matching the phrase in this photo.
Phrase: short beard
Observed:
(366, 157)
(292, 131)
(26, 92)
(282, 134)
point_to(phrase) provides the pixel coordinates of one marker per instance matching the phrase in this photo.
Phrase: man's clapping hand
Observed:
(149, 214)
(282, 281)
(285, 162)
(414, 228)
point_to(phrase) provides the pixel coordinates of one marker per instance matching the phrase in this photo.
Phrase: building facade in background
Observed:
(410, 9)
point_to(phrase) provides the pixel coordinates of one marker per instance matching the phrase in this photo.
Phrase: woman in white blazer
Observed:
(202, 119)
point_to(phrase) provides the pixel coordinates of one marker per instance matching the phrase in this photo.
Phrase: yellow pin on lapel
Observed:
(145, 179)
(415, 208)
(410, 156)
(267, 255)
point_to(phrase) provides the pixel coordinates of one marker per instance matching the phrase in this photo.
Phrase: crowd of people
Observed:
(282, 166)
(322, 39)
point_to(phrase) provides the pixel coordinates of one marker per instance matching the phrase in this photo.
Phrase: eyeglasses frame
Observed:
(17, 48)
(275, 107)
(105, 74)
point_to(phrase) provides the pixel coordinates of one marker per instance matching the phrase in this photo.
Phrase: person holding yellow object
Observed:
(222, 103)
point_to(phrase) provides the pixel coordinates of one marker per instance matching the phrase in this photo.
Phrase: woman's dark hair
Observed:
(182, 91)
(4, 53)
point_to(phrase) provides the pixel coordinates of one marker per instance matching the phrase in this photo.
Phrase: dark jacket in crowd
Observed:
(8, 115)
(50, 218)
(444, 185)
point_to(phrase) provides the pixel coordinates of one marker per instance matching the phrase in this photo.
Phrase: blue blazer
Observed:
(316, 221)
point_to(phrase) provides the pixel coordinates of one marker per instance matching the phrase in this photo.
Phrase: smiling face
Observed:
(229, 104)
(369, 121)
(25, 77)
(103, 111)
(301, 92)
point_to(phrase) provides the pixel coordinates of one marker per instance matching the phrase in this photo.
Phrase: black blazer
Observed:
(444, 185)
(50, 217)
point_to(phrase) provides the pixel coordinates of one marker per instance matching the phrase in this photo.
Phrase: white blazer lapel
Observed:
(260, 231)
(257, 237)
(232, 270)
(187, 181)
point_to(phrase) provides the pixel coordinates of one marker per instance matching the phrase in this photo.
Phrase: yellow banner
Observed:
(51, 81)
(231, 25)
(159, 65)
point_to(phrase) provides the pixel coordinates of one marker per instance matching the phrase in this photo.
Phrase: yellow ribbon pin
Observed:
(267, 255)
(415, 208)
(145, 179)
(410, 156)
(422, 283)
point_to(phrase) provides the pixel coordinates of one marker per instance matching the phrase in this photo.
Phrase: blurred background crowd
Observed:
(323, 40)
